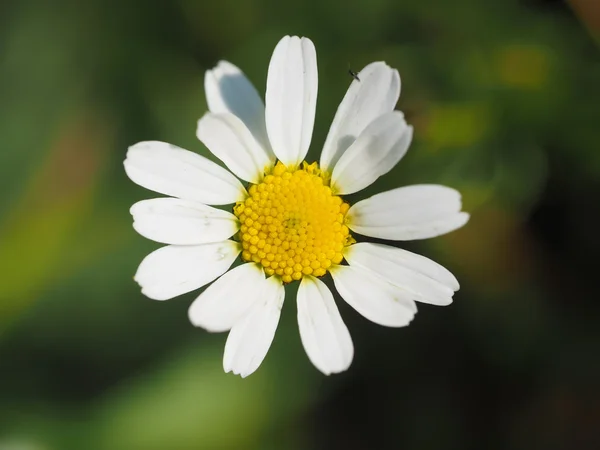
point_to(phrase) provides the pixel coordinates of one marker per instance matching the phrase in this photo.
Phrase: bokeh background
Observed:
(505, 100)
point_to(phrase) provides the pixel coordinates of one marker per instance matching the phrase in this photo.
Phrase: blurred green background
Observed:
(504, 97)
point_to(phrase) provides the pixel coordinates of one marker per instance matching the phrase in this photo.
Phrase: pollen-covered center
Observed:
(292, 224)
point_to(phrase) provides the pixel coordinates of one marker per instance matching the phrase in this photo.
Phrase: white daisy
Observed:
(289, 221)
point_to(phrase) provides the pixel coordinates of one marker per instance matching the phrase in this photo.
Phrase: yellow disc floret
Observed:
(292, 224)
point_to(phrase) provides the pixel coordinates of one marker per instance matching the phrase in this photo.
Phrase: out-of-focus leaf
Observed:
(189, 404)
(37, 234)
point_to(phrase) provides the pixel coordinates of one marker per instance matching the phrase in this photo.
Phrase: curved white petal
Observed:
(425, 280)
(375, 94)
(251, 336)
(228, 139)
(176, 269)
(419, 211)
(170, 170)
(373, 297)
(374, 153)
(324, 335)
(182, 222)
(291, 98)
(229, 91)
(226, 300)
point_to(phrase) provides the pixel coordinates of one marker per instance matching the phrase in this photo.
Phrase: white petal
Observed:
(376, 151)
(170, 170)
(291, 98)
(228, 139)
(324, 335)
(424, 279)
(226, 300)
(229, 91)
(420, 211)
(250, 338)
(373, 297)
(182, 222)
(375, 94)
(176, 269)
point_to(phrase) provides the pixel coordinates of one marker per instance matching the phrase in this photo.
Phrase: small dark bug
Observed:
(353, 74)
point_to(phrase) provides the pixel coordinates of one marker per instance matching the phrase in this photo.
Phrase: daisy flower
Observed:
(287, 219)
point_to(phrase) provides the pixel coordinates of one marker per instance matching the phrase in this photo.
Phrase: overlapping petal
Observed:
(324, 335)
(376, 151)
(226, 300)
(182, 222)
(425, 280)
(229, 91)
(176, 269)
(251, 336)
(375, 94)
(413, 212)
(291, 98)
(173, 171)
(373, 297)
(226, 136)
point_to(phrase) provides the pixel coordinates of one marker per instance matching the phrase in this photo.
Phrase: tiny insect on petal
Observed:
(353, 74)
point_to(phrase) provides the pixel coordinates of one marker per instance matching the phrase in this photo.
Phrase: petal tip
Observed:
(153, 295)
(308, 42)
(192, 315)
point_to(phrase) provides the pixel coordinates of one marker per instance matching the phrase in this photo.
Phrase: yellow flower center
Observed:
(292, 224)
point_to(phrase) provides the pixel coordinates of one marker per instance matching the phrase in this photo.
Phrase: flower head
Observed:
(288, 220)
